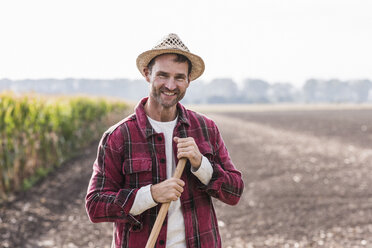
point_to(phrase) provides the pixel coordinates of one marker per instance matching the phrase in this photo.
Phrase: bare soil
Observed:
(307, 181)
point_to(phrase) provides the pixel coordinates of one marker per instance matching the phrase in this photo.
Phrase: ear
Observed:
(147, 73)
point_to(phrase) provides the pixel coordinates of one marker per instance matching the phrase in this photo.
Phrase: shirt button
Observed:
(162, 160)
(161, 242)
(160, 138)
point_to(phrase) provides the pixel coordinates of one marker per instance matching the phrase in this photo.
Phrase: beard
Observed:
(159, 97)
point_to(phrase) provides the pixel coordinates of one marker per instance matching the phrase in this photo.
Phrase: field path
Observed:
(52, 214)
(301, 190)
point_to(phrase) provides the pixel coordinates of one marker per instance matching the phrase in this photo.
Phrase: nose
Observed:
(170, 84)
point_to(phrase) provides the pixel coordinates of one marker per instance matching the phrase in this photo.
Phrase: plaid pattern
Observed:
(131, 155)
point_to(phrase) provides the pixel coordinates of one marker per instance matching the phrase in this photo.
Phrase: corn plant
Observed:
(38, 133)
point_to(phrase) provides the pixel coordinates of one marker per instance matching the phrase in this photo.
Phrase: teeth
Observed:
(169, 93)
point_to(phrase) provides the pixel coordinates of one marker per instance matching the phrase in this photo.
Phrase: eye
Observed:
(162, 76)
(180, 79)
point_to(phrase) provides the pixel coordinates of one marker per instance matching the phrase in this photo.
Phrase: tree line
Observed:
(220, 90)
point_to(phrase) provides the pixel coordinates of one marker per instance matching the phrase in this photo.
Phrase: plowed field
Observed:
(307, 181)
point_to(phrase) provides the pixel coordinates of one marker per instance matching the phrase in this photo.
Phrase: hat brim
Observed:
(197, 63)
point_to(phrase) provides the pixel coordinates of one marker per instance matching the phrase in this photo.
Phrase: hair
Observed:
(179, 59)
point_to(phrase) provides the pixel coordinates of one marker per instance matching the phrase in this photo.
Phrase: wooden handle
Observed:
(164, 209)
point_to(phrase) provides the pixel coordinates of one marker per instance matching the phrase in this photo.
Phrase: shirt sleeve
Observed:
(226, 183)
(106, 199)
(205, 171)
(143, 201)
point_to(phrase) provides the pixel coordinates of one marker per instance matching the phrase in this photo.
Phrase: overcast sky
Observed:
(278, 41)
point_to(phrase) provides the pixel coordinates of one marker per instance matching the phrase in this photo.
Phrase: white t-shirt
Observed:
(144, 200)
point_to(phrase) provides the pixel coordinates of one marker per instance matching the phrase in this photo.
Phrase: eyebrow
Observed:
(183, 76)
(162, 73)
(178, 75)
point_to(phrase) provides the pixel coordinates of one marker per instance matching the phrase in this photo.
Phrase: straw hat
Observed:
(171, 44)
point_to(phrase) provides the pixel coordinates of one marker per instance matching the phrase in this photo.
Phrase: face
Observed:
(168, 81)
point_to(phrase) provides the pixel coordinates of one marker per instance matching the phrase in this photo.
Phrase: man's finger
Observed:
(187, 154)
(178, 188)
(182, 140)
(180, 182)
(185, 149)
(185, 144)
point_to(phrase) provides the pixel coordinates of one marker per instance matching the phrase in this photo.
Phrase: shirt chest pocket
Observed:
(137, 172)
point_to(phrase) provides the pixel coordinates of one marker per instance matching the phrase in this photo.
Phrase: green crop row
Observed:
(39, 133)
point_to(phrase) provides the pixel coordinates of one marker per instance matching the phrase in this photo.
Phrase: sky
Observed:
(287, 41)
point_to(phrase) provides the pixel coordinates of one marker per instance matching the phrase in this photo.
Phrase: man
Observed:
(132, 174)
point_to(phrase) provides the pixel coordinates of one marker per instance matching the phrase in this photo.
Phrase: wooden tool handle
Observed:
(164, 209)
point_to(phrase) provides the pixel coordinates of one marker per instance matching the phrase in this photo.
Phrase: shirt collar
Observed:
(144, 124)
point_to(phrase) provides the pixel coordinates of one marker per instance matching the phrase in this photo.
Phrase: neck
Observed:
(160, 113)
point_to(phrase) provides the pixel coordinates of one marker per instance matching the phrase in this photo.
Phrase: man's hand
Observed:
(187, 148)
(168, 190)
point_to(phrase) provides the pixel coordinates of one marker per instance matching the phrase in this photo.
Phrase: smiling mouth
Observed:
(169, 93)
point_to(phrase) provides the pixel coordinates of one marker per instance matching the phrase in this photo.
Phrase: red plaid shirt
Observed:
(131, 155)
